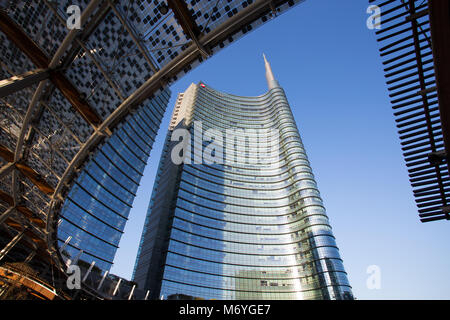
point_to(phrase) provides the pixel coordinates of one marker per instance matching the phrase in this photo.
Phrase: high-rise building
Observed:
(96, 209)
(234, 229)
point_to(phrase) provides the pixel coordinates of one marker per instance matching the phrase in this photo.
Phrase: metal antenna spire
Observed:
(271, 82)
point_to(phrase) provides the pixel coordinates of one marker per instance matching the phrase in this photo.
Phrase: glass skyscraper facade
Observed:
(253, 231)
(97, 207)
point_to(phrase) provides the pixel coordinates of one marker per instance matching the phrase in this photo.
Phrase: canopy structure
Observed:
(414, 39)
(64, 90)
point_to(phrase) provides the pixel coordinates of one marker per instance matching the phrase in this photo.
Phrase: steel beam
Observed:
(22, 209)
(27, 119)
(11, 244)
(88, 271)
(100, 15)
(30, 257)
(73, 96)
(99, 67)
(5, 215)
(6, 154)
(17, 36)
(131, 292)
(35, 178)
(103, 279)
(27, 171)
(6, 169)
(133, 36)
(61, 122)
(187, 23)
(65, 243)
(117, 287)
(86, 50)
(20, 82)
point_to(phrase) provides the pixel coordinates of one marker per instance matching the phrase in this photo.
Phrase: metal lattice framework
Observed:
(414, 38)
(65, 90)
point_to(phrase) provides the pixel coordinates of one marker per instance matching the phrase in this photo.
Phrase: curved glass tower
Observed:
(241, 230)
(96, 209)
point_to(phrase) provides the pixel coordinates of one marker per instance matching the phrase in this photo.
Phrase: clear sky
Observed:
(327, 61)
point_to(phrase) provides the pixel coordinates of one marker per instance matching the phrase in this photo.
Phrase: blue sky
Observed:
(327, 61)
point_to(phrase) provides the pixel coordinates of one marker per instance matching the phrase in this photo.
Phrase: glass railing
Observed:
(100, 283)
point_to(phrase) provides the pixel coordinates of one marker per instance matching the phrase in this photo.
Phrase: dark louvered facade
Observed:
(414, 47)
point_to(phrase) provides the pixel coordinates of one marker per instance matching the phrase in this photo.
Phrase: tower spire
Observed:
(271, 82)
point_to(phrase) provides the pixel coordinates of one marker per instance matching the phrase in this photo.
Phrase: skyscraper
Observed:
(237, 230)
